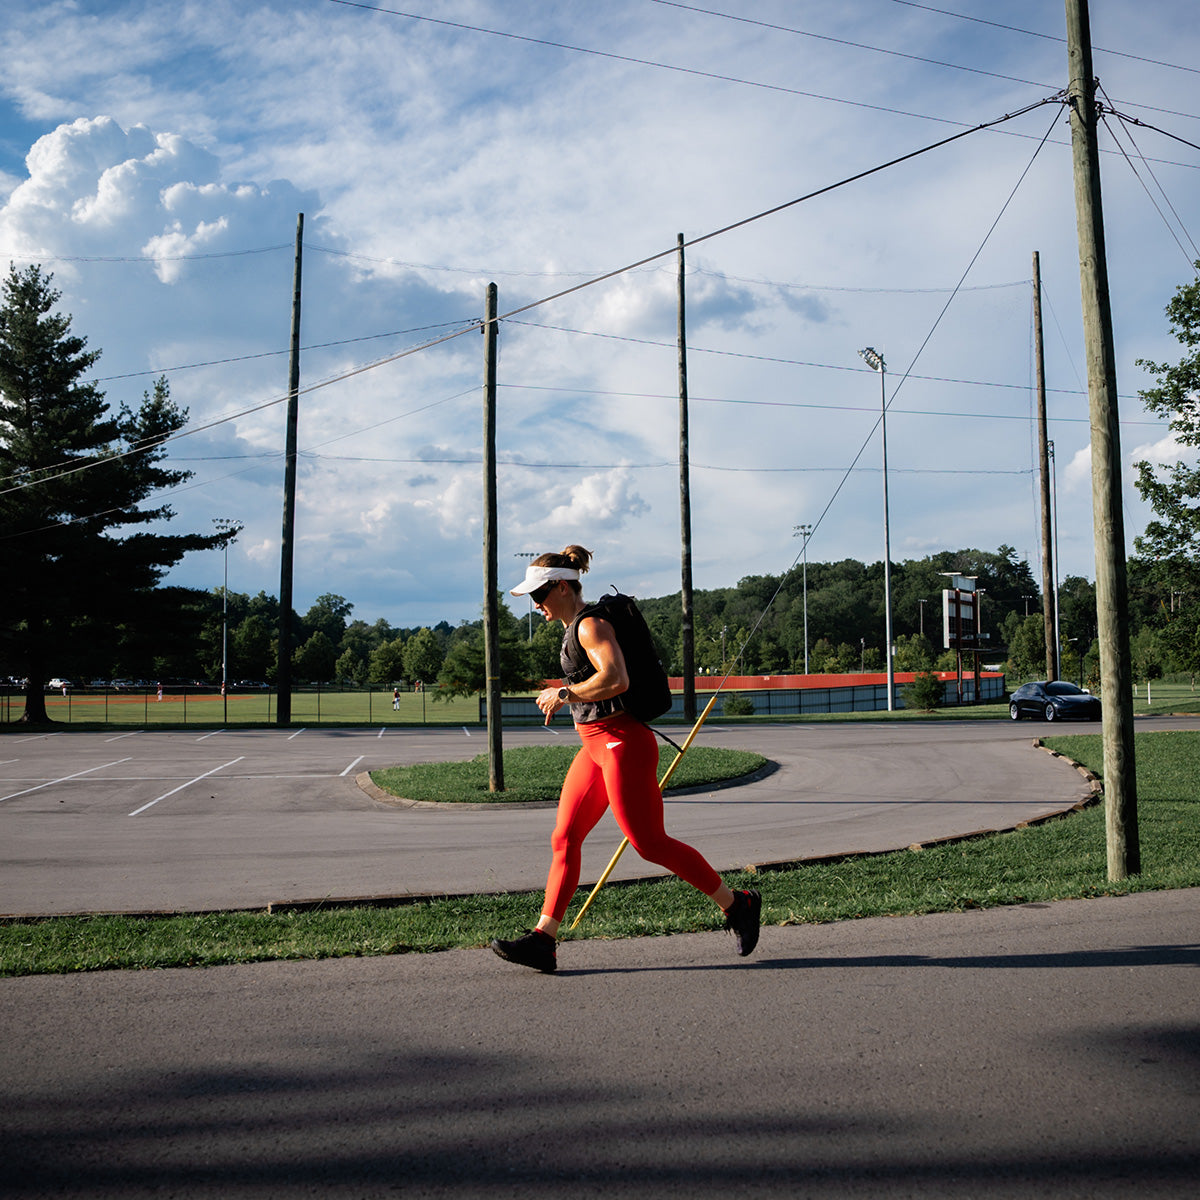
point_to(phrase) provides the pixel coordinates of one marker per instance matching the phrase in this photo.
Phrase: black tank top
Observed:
(577, 667)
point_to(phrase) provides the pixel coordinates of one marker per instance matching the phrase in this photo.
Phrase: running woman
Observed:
(616, 768)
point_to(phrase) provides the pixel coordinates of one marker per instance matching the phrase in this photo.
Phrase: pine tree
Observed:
(74, 476)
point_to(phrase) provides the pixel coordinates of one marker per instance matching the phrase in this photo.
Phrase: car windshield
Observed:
(1063, 689)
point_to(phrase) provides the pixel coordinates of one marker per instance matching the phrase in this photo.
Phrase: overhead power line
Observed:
(220, 362)
(1049, 37)
(140, 258)
(812, 404)
(642, 62)
(70, 468)
(933, 62)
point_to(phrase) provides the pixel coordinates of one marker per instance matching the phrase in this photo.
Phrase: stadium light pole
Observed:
(874, 360)
(230, 528)
(530, 554)
(805, 531)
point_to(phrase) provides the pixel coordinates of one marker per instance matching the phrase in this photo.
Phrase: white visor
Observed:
(536, 576)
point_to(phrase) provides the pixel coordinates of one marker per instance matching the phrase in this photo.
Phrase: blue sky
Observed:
(155, 157)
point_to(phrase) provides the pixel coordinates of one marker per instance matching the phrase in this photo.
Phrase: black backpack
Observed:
(649, 692)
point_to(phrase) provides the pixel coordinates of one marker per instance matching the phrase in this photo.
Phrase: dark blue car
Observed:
(1053, 702)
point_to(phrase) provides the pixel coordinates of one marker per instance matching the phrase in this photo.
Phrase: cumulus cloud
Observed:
(600, 501)
(1078, 473)
(162, 176)
(1164, 452)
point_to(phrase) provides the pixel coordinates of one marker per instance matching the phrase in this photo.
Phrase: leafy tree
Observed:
(913, 653)
(163, 643)
(1174, 491)
(75, 475)
(250, 649)
(463, 672)
(316, 659)
(925, 692)
(423, 656)
(350, 667)
(1077, 610)
(1027, 649)
(1147, 653)
(543, 651)
(328, 616)
(360, 639)
(387, 663)
(263, 606)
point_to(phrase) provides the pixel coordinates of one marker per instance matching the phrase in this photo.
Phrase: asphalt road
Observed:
(1036, 1051)
(186, 821)
(1043, 1050)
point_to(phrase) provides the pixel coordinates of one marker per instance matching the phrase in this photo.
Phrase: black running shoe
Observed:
(743, 918)
(535, 949)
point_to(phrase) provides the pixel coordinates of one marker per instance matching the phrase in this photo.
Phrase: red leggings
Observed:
(617, 768)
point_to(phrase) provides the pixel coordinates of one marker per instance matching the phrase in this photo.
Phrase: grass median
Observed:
(1060, 859)
(535, 773)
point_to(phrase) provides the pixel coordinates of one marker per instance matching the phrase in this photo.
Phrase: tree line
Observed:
(755, 627)
(82, 588)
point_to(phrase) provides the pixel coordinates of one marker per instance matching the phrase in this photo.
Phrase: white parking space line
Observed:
(63, 779)
(37, 737)
(296, 734)
(208, 735)
(466, 731)
(381, 731)
(353, 764)
(124, 735)
(186, 785)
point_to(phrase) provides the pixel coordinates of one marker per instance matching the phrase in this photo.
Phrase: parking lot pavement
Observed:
(119, 821)
(184, 821)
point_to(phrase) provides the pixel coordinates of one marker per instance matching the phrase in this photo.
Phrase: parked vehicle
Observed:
(1053, 702)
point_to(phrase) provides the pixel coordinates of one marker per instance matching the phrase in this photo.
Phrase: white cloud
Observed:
(1166, 451)
(187, 135)
(1078, 473)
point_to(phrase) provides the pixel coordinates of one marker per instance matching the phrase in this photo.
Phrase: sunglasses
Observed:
(538, 595)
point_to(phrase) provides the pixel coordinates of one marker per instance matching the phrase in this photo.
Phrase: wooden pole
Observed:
(1044, 464)
(491, 570)
(685, 514)
(1112, 598)
(283, 670)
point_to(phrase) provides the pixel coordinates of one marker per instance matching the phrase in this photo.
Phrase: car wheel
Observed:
(1014, 712)
(1051, 712)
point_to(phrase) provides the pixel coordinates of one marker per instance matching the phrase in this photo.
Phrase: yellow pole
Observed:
(662, 785)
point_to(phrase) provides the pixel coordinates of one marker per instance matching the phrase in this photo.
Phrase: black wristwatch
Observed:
(563, 693)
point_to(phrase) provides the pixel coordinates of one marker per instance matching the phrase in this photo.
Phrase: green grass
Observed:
(1165, 698)
(1060, 859)
(210, 709)
(536, 774)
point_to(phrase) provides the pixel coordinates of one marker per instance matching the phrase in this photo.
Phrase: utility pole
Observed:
(491, 571)
(1112, 599)
(876, 362)
(1044, 465)
(804, 531)
(685, 515)
(283, 673)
